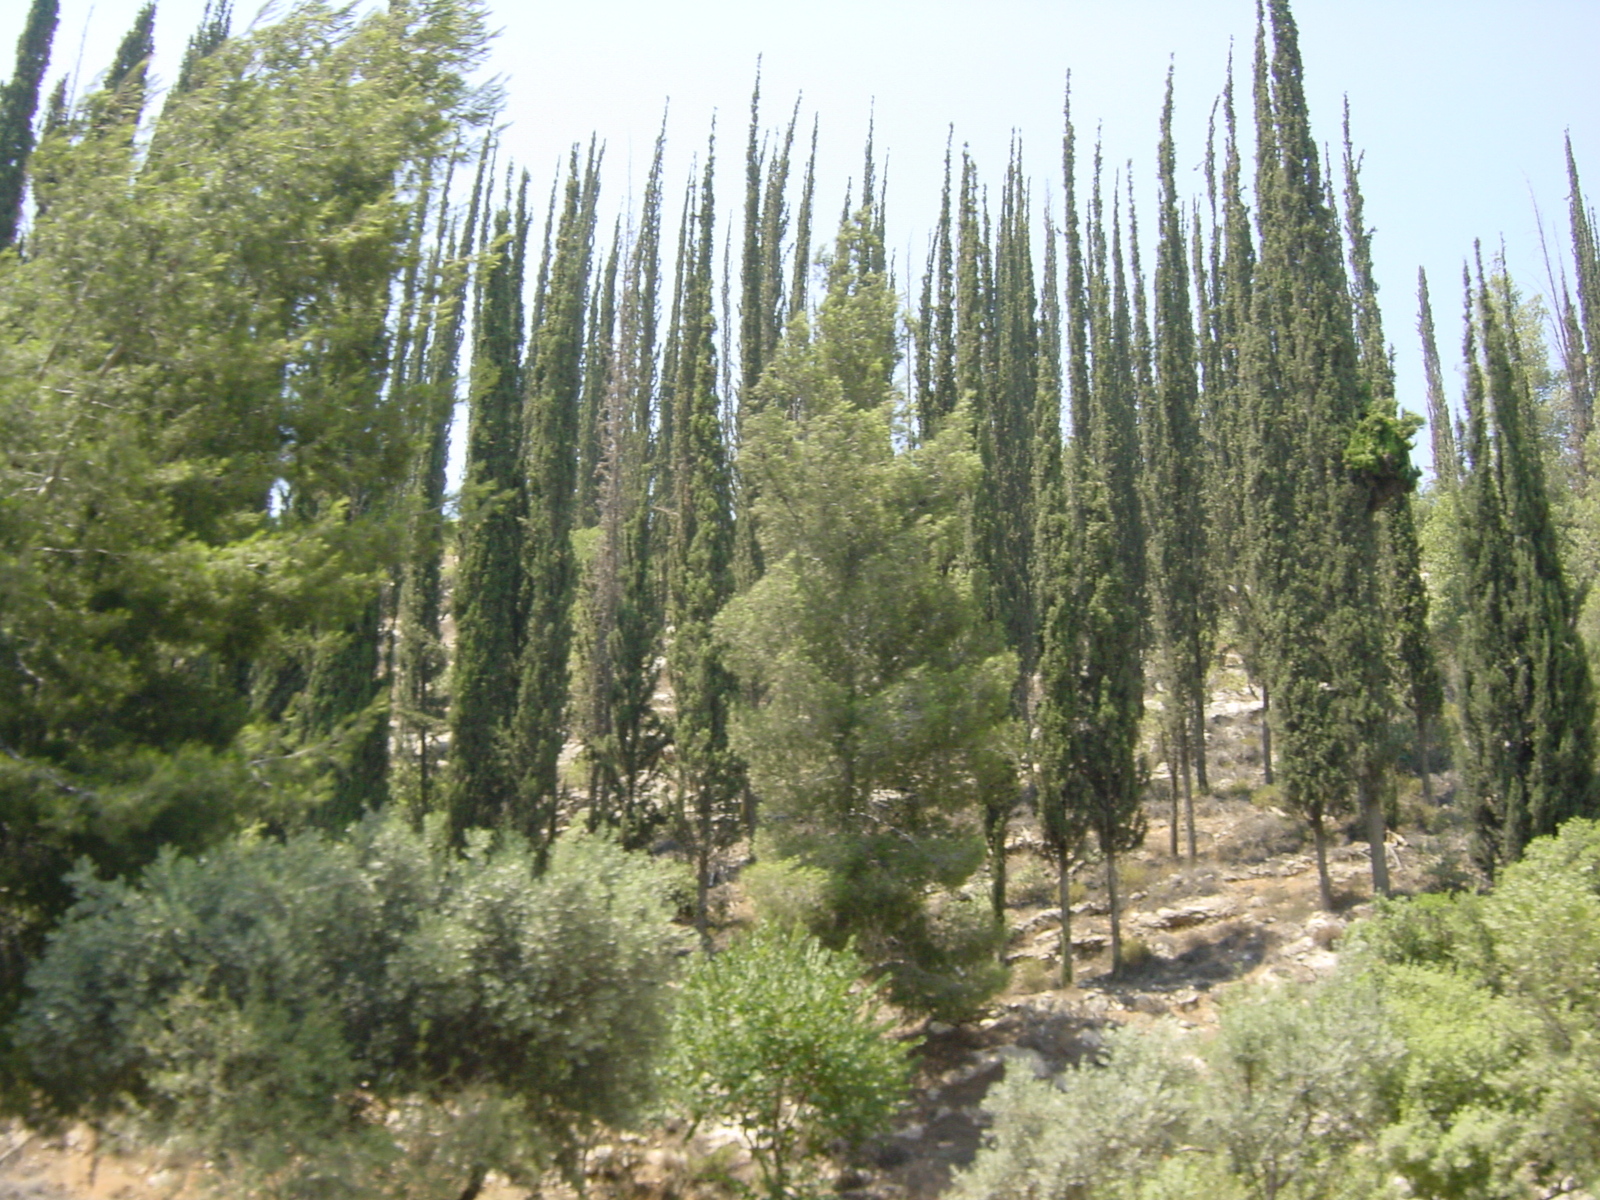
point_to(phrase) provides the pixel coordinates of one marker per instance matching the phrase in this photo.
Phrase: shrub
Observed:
(1093, 1131)
(291, 1009)
(784, 891)
(775, 1036)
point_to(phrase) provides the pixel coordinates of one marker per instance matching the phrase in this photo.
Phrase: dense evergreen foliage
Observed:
(716, 586)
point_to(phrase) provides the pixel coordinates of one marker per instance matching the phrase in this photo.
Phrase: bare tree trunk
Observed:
(1201, 782)
(1324, 880)
(1188, 799)
(1372, 809)
(1064, 895)
(1266, 734)
(1172, 779)
(1422, 760)
(1116, 916)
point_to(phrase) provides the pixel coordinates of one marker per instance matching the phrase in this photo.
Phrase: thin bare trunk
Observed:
(1372, 809)
(1201, 782)
(1324, 881)
(1172, 779)
(1064, 895)
(1116, 916)
(1188, 812)
(1266, 735)
(1422, 760)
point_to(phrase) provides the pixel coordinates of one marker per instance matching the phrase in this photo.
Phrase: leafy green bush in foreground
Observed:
(378, 1015)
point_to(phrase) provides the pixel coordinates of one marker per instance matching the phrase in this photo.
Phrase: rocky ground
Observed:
(1243, 913)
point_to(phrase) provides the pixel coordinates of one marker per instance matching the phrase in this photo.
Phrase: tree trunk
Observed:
(1116, 919)
(1172, 779)
(1422, 760)
(1372, 809)
(997, 868)
(1188, 799)
(475, 1181)
(1324, 881)
(1201, 782)
(1064, 895)
(1266, 735)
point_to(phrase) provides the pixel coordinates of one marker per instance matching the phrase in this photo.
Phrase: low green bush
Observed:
(377, 1014)
(776, 1036)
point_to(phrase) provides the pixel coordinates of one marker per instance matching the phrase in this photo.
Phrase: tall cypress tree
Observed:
(1309, 512)
(19, 101)
(429, 365)
(1527, 701)
(622, 733)
(1446, 455)
(1172, 481)
(552, 399)
(1578, 323)
(487, 600)
(1404, 597)
(936, 329)
(120, 101)
(700, 568)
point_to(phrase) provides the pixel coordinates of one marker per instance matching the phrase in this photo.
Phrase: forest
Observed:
(369, 832)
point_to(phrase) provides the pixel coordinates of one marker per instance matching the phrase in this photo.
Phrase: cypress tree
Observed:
(597, 366)
(19, 101)
(700, 568)
(1310, 506)
(1404, 607)
(216, 24)
(622, 734)
(1527, 703)
(1091, 677)
(1446, 456)
(1173, 479)
(1578, 327)
(936, 337)
(802, 233)
(488, 610)
(552, 397)
(120, 101)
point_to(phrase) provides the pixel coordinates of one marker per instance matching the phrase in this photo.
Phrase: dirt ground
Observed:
(1243, 913)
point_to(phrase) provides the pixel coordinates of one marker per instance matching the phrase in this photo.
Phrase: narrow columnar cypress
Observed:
(1403, 612)
(120, 101)
(482, 788)
(1310, 509)
(1578, 330)
(1091, 677)
(429, 379)
(597, 366)
(216, 24)
(552, 398)
(1446, 455)
(1177, 545)
(621, 734)
(802, 234)
(700, 570)
(1061, 813)
(1527, 701)
(19, 101)
(936, 337)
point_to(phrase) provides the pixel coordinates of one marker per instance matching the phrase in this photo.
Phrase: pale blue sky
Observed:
(1458, 105)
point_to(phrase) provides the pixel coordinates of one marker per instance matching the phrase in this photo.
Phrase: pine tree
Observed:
(1527, 701)
(19, 101)
(552, 397)
(1172, 481)
(700, 567)
(216, 23)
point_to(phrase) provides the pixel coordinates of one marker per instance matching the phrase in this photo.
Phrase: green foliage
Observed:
(1379, 453)
(776, 1036)
(1093, 1131)
(787, 892)
(331, 988)
(882, 720)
